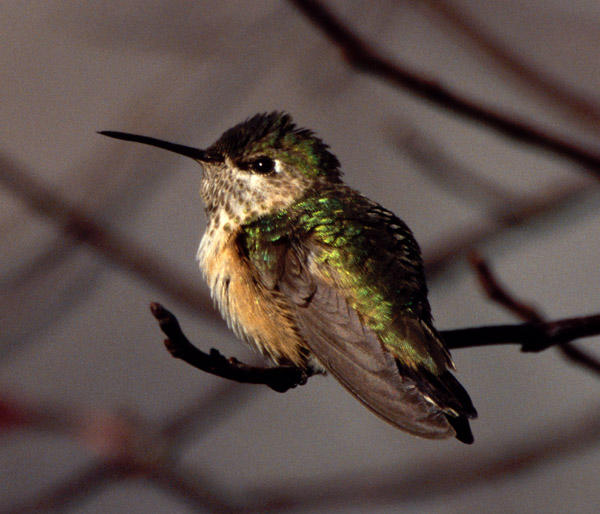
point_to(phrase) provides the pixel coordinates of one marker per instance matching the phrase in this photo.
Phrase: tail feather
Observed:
(454, 387)
(449, 395)
(460, 423)
(462, 428)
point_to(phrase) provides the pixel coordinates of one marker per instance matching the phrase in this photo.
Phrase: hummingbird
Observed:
(313, 274)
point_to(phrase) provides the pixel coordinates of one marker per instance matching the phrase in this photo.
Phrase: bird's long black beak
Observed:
(188, 151)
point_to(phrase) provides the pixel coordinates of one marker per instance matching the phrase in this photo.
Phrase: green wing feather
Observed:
(353, 275)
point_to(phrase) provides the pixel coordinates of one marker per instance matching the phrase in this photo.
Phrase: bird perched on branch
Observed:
(313, 274)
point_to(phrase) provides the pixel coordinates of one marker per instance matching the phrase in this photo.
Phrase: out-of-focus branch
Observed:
(459, 243)
(560, 333)
(82, 226)
(365, 58)
(397, 485)
(200, 496)
(130, 446)
(78, 486)
(577, 106)
(503, 209)
(572, 435)
(125, 445)
(446, 169)
(498, 293)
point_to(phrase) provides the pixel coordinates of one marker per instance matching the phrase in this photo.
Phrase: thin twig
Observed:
(499, 294)
(76, 487)
(502, 207)
(532, 336)
(447, 170)
(460, 242)
(559, 333)
(366, 59)
(578, 356)
(398, 485)
(81, 225)
(191, 420)
(280, 378)
(199, 496)
(576, 105)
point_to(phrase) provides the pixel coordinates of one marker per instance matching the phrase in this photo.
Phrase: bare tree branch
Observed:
(560, 333)
(191, 420)
(533, 336)
(123, 440)
(577, 106)
(82, 226)
(126, 445)
(397, 485)
(280, 378)
(503, 208)
(496, 292)
(76, 487)
(365, 58)
(139, 453)
(201, 497)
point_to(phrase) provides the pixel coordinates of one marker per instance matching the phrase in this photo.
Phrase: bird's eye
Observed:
(262, 165)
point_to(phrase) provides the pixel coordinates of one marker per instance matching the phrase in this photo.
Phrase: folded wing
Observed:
(353, 353)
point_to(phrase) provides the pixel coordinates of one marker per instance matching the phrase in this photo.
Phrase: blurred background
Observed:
(95, 416)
